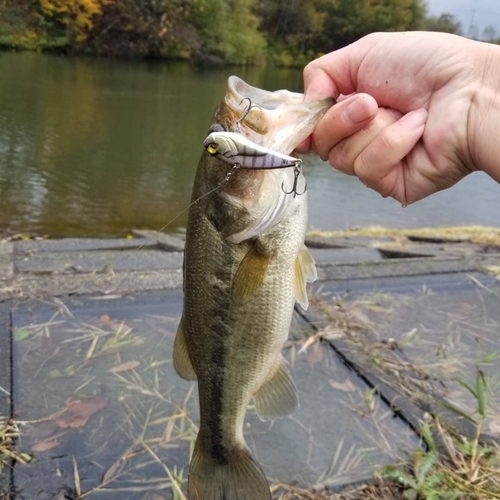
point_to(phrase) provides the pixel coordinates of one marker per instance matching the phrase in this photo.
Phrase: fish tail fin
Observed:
(241, 478)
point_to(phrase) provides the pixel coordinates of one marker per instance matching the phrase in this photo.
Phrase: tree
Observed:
(303, 29)
(223, 30)
(446, 23)
(489, 33)
(229, 29)
(345, 21)
(75, 16)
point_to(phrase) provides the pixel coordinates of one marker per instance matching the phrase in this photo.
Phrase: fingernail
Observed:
(357, 111)
(414, 119)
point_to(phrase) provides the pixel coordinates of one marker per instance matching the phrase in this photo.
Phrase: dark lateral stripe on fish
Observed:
(221, 329)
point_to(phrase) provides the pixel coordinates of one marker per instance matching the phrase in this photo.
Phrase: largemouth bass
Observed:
(245, 266)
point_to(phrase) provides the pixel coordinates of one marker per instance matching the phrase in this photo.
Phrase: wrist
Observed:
(483, 124)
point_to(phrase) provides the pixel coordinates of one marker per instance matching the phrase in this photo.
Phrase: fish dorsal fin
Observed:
(277, 397)
(250, 275)
(305, 272)
(182, 362)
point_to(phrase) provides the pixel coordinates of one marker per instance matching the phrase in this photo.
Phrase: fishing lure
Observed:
(235, 149)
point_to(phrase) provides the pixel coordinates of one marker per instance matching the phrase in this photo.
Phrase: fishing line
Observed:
(236, 166)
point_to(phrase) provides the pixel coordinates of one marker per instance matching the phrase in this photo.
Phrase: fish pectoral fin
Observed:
(241, 478)
(277, 397)
(182, 362)
(305, 272)
(250, 274)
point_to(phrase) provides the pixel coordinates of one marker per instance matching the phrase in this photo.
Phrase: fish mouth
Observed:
(278, 120)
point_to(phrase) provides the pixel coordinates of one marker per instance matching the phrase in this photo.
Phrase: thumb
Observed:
(333, 74)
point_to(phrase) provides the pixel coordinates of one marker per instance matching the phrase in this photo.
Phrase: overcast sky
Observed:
(481, 13)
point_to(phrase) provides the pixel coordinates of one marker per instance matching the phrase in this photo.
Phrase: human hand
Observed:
(427, 138)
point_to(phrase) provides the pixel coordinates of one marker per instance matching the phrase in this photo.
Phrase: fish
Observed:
(245, 267)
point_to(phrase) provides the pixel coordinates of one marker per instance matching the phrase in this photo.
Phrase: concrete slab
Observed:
(6, 247)
(118, 353)
(6, 267)
(352, 289)
(97, 261)
(5, 360)
(403, 267)
(414, 249)
(419, 340)
(168, 242)
(345, 255)
(347, 242)
(406, 253)
(104, 284)
(81, 244)
(5, 387)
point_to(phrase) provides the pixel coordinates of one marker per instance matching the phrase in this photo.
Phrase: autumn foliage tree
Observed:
(282, 32)
(75, 17)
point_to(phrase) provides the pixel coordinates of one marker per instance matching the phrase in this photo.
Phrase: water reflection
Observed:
(98, 147)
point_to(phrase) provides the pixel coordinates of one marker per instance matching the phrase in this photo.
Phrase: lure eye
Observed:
(212, 148)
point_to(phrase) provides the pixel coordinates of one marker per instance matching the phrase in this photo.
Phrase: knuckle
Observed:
(389, 139)
(338, 161)
(310, 70)
(362, 169)
(387, 186)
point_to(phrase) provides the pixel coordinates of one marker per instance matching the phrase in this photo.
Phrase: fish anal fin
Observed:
(240, 478)
(250, 274)
(305, 272)
(277, 397)
(182, 362)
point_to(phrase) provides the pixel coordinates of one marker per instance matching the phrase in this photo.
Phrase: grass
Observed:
(9, 454)
(468, 468)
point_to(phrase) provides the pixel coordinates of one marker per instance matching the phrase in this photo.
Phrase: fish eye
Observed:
(212, 148)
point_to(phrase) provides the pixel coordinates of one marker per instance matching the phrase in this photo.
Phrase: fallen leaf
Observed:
(45, 446)
(315, 355)
(495, 427)
(71, 422)
(130, 365)
(81, 410)
(85, 407)
(311, 340)
(359, 316)
(346, 386)
(63, 423)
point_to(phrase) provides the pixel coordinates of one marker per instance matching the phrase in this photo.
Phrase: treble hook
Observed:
(245, 113)
(296, 173)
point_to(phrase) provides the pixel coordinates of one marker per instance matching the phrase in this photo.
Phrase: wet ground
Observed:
(90, 381)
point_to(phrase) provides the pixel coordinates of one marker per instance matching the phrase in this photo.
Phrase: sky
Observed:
(474, 15)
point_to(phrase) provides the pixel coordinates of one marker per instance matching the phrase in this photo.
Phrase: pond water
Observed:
(100, 147)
